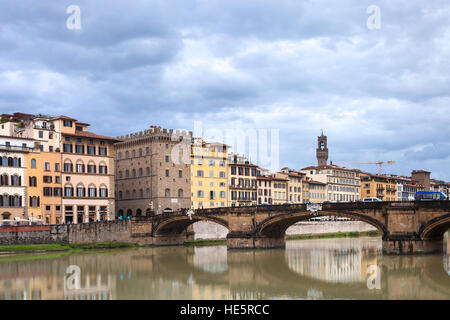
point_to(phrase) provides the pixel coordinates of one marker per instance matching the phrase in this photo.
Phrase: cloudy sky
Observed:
(288, 65)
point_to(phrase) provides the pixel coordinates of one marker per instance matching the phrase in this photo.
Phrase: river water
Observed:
(348, 268)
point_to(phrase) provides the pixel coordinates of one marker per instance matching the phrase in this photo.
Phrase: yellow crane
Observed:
(378, 163)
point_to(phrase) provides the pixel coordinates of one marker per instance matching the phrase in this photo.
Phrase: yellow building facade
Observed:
(378, 186)
(33, 180)
(209, 175)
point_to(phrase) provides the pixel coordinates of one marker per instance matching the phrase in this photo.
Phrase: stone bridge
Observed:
(405, 227)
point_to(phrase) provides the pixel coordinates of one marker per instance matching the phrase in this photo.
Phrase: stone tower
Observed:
(322, 150)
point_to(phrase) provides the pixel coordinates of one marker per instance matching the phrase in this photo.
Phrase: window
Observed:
(102, 151)
(167, 192)
(222, 174)
(167, 173)
(104, 192)
(119, 155)
(180, 173)
(57, 167)
(167, 158)
(68, 167)
(47, 179)
(41, 134)
(79, 149)
(199, 173)
(180, 193)
(92, 192)
(68, 192)
(80, 192)
(91, 168)
(67, 147)
(67, 123)
(33, 163)
(47, 191)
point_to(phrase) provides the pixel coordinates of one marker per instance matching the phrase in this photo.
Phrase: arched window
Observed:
(127, 155)
(167, 193)
(120, 174)
(33, 163)
(92, 191)
(4, 161)
(33, 181)
(139, 212)
(120, 195)
(81, 191)
(80, 166)
(127, 174)
(141, 194)
(134, 194)
(68, 166)
(127, 194)
(140, 172)
(147, 193)
(134, 173)
(4, 180)
(133, 154)
(180, 193)
(140, 152)
(147, 170)
(147, 150)
(119, 156)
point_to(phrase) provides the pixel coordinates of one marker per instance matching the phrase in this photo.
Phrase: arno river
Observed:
(351, 268)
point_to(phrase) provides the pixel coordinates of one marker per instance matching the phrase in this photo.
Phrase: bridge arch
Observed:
(276, 226)
(179, 224)
(435, 228)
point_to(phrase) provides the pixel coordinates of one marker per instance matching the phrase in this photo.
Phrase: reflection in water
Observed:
(306, 269)
(211, 259)
(346, 261)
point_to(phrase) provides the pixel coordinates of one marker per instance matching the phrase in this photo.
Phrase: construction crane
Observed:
(378, 163)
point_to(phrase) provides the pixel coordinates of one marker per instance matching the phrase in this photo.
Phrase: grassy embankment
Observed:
(353, 234)
(64, 247)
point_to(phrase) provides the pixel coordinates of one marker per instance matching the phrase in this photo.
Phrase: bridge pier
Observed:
(412, 246)
(242, 240)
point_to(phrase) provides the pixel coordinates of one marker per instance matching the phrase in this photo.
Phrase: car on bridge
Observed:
(372, 199)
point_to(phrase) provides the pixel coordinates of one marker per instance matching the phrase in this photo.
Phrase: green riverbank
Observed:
(353, 234)
(64, 247)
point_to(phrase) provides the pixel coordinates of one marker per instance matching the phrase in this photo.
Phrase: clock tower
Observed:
(322, 150)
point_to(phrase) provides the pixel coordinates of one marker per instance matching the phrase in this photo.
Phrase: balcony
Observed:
(237, 186)
(44, 127)
(15, 148)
